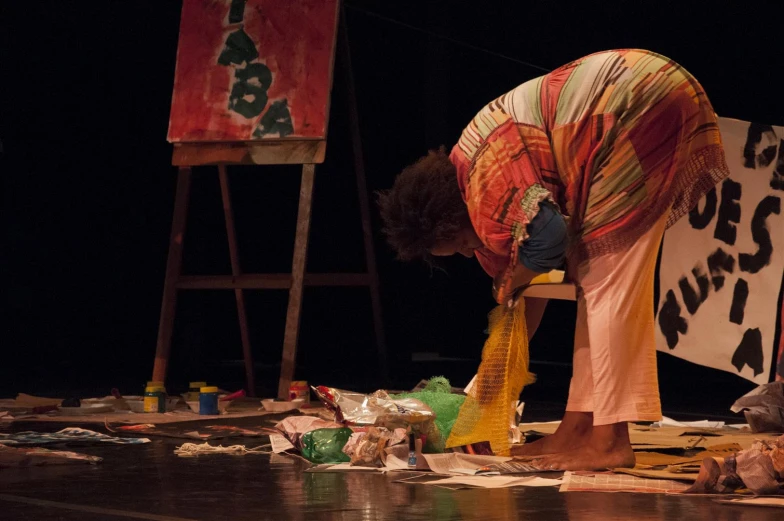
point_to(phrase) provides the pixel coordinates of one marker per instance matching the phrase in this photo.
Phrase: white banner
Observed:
(722, 265)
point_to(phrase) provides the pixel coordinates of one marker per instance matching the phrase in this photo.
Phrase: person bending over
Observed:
(584, 168)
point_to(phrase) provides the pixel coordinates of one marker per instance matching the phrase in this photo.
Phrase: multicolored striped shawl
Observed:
(615, 139)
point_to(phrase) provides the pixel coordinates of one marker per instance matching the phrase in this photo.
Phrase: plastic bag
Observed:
(326, 445)
(377, 409)
(446, 406)
(763, 407)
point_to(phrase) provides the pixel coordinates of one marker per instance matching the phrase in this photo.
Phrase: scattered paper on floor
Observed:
(610, 482)
(657, 438)
(497, 481)
(280, 443)
(703, 424)
(445, 463)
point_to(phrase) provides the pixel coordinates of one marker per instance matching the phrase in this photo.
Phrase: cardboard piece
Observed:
(658, 474)
(654, 459)
(664, 438)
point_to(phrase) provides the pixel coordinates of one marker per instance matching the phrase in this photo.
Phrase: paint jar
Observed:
(154, 399)
(208, 400)
(299, 391)
(194, 388)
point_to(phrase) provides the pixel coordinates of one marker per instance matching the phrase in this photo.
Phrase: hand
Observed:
(497, 280)
(520, 277)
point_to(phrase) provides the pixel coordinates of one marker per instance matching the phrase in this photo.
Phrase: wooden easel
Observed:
(268, 152)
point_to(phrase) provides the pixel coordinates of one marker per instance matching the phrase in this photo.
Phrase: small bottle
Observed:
(194, 388)
(299, 390)
(412, 451)
(154, 399)
(208, 400)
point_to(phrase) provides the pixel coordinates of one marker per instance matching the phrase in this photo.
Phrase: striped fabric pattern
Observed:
(615, 139)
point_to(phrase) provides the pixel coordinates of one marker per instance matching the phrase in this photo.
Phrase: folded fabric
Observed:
(545, 248)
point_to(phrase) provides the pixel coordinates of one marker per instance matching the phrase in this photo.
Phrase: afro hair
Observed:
(423, 207)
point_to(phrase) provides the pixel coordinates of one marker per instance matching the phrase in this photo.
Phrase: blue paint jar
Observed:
(208, 400)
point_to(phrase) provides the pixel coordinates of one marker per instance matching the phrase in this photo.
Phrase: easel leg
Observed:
(297, 279)
(364, 205)
(173, 270)
(235, 270)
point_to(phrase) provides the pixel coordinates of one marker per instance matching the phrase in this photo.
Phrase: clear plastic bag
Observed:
(375, 409)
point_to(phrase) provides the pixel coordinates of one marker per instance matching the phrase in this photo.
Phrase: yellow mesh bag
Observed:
(486, 412)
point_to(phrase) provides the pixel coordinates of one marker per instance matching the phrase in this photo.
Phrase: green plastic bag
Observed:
(326, 445)
(437, 395)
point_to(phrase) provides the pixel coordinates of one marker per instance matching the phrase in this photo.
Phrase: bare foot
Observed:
(573, 432)
(608, 448)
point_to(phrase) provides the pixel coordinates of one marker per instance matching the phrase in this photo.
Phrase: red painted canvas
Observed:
(253, 69)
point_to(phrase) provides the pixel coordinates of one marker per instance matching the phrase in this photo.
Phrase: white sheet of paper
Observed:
(446, 463)
(280, 443)
(702, 424)
(473, 472)
(395, 463)
(498, 481)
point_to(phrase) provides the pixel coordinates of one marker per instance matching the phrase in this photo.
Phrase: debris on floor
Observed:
(69, 435)
(759, 468)
(37, 456)
(407, 432)
(190, 450)
(763, 407)
(612, 482)
(123, 408)
(649, 437)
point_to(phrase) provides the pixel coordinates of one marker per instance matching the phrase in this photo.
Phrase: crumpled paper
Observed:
(763, 407)
(295, 427)
(368, 449)
(760, 469)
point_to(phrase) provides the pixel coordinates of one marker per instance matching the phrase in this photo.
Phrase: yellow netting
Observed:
(486, 413)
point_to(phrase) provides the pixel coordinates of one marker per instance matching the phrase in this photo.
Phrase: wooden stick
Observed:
(173, 270)
(289, 357)
(364, 204)
(235, 270)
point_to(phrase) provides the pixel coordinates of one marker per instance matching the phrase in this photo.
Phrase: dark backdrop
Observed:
(87, 188)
